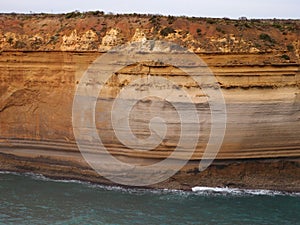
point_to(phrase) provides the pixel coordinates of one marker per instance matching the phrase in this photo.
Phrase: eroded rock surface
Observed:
(44, 57)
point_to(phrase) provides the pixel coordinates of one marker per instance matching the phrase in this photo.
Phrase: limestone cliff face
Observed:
(256, 64)
(263, 103)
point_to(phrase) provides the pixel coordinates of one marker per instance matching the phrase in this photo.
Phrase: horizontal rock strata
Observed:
(261, 146)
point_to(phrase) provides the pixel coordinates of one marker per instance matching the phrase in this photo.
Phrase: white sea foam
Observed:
(237, 191)
(195, 190)
(9, 172)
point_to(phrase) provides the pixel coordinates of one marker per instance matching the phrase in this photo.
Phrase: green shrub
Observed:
(10, 40)
(277, 25)
(72, 14)
(199, 31)
(96, 13)
(266, 37)
(286, 57)
(290, 47)
(166, 31)
(155, 21)
(219, 29)
(211, 21)
(54, 39)
(247, 25)
(171, 19)
(20, 44)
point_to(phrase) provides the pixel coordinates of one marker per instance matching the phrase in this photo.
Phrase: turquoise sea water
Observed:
(28, 199)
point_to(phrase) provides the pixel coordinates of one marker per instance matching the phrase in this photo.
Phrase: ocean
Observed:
(32, 199)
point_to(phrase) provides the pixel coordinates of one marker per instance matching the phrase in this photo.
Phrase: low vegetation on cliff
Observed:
(97, 31)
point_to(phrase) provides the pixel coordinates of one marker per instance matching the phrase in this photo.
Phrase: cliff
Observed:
(255, 62)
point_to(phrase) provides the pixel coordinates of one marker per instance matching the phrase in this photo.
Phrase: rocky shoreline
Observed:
(270, 174)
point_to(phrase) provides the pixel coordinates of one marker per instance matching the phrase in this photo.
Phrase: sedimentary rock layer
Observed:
(260, 87)
(37, 91)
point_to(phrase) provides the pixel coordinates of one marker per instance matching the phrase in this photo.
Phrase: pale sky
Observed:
(198, 8)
